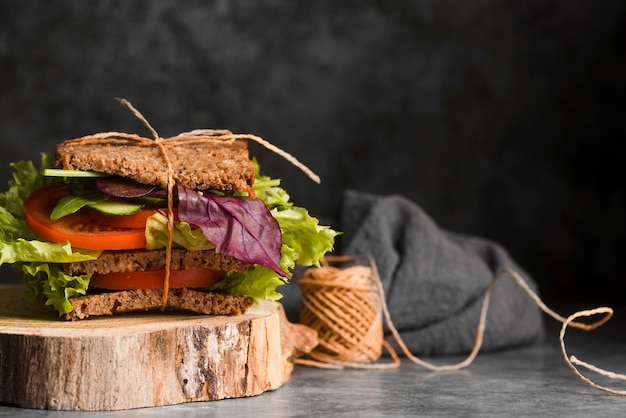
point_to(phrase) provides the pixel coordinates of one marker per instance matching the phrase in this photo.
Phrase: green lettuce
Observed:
(183, 235)
(304, 242)
(36, 259)
(303, 234)
(48, 280)
(35, 251)
(26, 178)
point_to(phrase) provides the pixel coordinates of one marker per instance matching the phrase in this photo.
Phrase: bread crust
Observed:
(220, 165)
(190, 300)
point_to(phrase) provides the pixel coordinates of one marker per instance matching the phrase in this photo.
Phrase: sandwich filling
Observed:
(233, 233)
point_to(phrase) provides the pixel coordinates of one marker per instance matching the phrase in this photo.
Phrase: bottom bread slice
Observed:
(209, 303)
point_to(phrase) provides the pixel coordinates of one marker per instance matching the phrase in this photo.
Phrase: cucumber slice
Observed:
(57, 172)
(73, 203)
(117, 207)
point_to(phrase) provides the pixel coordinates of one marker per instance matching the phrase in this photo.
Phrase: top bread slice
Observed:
(196, 165)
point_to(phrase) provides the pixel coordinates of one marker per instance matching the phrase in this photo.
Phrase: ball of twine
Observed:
(343, 306)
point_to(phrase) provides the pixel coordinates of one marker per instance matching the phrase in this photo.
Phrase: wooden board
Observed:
(141, 360)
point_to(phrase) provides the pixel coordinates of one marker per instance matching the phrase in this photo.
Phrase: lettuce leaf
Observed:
(22, 250)
(269, 190)
(26, 178)
(304, 235)
(259, 283)
(184, 235)
(47, 280)
(36, 259)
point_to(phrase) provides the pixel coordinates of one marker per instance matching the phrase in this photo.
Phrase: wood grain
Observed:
(141, 360)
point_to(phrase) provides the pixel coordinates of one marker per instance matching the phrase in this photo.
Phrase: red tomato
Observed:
(77, 228)
(153, 279)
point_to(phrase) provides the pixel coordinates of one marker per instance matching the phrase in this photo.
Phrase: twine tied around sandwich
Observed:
(192, 137)
(346, 306)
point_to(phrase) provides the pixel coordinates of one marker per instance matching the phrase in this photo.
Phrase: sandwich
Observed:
(117, 223)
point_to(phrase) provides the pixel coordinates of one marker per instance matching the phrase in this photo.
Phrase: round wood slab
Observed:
(141, 360)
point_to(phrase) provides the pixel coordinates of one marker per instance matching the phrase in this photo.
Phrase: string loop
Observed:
(347, 306)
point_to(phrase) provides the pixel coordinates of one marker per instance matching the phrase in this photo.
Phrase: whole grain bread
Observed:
(141, 260)
(208, 303)
(219, 165)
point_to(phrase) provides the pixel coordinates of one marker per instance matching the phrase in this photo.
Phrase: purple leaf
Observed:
(121, 187)
(238, 226)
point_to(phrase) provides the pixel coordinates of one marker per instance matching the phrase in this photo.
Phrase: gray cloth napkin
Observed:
(434, 280)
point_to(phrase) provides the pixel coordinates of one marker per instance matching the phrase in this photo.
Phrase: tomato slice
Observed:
(77, 228)
(153, 279)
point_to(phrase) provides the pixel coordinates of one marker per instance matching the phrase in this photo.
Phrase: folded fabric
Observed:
(434, 280)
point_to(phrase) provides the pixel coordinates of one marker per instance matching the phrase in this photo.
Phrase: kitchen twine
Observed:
(195, 136)
(346, 306)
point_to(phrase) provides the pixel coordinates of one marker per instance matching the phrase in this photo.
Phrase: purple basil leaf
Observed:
(121, 187)
(240, 227)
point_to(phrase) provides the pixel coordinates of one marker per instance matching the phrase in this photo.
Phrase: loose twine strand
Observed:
(193, 137)
(346, 307)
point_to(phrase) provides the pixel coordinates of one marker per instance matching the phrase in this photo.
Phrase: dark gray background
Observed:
(501, 118)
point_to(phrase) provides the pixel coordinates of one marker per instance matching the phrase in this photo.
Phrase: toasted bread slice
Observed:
(196, 165)
(208, 303)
